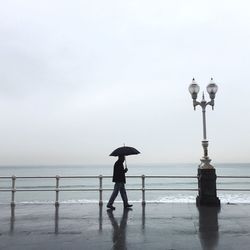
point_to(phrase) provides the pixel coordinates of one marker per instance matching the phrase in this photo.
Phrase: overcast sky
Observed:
(80, 78)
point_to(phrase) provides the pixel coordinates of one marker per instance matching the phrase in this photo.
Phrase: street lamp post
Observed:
(206, 172)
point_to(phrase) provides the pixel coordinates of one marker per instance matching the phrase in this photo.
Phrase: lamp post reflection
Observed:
(208, 227)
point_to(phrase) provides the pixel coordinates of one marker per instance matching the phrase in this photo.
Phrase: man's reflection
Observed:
(119, 231)
(208, 227)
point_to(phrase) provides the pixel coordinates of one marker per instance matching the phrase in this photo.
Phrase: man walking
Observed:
(120, 180)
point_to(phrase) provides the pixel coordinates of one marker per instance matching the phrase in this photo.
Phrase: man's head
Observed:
(121, 158)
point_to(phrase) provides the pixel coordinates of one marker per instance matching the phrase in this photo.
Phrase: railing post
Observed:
(100, 190)
(57, 190)
(143, 189)
(13, 190)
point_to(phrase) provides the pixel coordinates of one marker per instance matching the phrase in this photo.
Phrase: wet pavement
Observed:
(154, 226)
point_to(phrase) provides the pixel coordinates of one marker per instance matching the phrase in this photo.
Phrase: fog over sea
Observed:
(237, 169)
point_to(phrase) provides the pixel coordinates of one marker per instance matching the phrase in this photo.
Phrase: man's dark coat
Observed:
(119, 172)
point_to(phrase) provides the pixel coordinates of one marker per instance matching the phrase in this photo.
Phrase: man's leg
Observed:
(123, 194)
(114, 195)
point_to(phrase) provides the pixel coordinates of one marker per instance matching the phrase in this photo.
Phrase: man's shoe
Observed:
(110, 207)
(128, 206)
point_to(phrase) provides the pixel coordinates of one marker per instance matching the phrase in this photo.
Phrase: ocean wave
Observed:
(180, 198)
(53, 186)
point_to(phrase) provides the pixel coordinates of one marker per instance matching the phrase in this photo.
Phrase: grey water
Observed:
(236, 169)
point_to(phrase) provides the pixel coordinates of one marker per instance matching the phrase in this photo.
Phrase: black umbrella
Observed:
(125, 150)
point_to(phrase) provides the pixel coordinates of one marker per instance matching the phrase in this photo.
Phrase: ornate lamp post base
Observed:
(207, 188)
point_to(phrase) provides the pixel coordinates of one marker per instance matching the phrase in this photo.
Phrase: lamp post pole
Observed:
(206, 172)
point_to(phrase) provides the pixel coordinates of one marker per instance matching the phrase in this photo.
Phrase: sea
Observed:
(157, 196)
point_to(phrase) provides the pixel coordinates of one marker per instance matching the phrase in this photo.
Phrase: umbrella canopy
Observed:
(125, 150)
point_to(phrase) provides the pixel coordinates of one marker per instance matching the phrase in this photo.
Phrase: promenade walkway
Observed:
(154, 226)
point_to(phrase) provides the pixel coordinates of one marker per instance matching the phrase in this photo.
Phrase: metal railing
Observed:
(57, 189)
